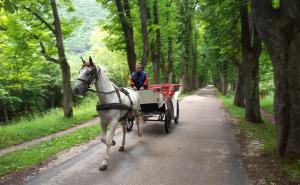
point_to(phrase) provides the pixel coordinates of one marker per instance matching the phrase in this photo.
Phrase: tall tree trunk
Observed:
(52, 102)
(65, 68)
(185, 56)
(126, 22)
(239, 96)
(144, 17)
(170, 60)
(279, 30)
(169, 70)
(5, 114)
(186, 14)
(252, 106)
(223, 83)
(157, 45)
(195, 58)
(251, 63)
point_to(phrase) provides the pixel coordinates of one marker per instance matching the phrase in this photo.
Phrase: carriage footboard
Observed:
(152, 107)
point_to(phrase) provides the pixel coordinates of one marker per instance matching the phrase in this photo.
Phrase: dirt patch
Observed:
(268, 116)
(19, 177)
(262, 169)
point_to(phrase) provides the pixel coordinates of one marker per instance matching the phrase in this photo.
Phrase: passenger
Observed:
(139, 79)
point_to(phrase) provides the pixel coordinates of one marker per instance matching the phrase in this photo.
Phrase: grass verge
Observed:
(37, 154)
(267, 103)
(266, 134)
(27, 129)
(184, 94)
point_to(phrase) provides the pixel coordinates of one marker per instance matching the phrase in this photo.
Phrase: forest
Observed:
(248, 49)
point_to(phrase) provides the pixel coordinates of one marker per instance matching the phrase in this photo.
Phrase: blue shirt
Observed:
(139, 79)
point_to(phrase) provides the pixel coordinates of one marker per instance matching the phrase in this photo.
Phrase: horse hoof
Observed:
(122, 149)
(140, 135)
(103, 167)
(113, 143)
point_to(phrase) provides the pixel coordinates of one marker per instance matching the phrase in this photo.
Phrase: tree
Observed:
(65, 68)
(164, 36)
(62, 61)
(170, 65)
(36, 34)
(250, 53)
(123, 8)
(221, 42)
(144, 19)
(187, 9)
(279, 29)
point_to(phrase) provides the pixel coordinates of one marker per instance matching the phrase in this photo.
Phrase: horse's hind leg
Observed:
(109, 143)
(122, 147)
(139, 120)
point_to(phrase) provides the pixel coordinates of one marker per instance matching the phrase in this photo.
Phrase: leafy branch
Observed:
(41, 19)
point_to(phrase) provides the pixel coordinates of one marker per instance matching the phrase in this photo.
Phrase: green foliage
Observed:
(266, 84)
(37, 154)
(292, 167)
(30, 83)
(221, 40)
(53, 121)
(89, 12)
(267, 103)
(276, 4)
(169, 28)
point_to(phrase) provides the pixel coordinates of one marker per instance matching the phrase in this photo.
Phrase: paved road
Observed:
(200, 150)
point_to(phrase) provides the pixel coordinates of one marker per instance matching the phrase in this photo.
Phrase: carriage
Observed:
(159, 103)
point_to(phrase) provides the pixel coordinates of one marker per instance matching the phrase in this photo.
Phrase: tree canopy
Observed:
(193, 42)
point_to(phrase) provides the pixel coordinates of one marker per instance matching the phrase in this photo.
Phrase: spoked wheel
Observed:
(168, 119)
(176, 120)
(129, 124)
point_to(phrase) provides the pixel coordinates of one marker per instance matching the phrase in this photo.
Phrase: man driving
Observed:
(139, 79)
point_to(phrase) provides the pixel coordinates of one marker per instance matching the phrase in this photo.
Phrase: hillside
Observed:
(90, 12)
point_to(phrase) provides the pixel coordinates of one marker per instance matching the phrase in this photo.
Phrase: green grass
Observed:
(292, 167)
(265, 133)
(37, 154)
(27, 129)
(267, 103)
(184, 94)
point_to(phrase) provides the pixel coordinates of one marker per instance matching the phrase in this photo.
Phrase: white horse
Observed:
(114, 106)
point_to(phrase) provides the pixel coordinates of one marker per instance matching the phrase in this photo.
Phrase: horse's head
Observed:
(88, 75)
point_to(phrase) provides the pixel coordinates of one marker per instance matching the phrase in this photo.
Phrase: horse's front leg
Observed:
(109, 143)
(104, 125)
(124, 128)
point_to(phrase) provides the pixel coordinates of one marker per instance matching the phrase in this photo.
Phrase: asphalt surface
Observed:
(201, 149)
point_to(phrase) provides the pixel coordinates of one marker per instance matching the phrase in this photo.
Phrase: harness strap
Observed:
(92, 90)
(110, 106)
(127, 94)
(118, 93)
(117, 106)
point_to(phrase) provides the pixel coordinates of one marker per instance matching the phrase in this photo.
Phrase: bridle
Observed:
(95, 73)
